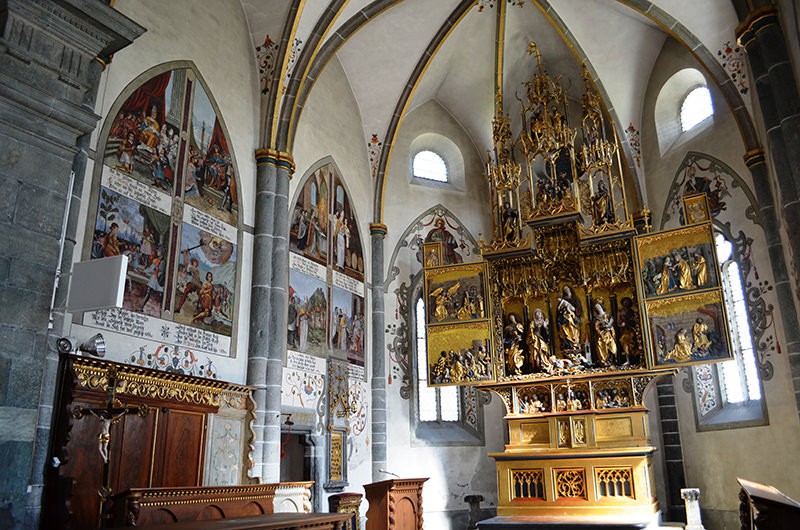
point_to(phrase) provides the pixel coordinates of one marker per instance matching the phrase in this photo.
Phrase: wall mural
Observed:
(326, 271)
(170, 359)
(435, 224)
(727, 192)
(308, 309)
(167, 197)
(732, 59)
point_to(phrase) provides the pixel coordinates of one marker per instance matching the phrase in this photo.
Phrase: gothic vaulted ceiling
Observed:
(398, 54)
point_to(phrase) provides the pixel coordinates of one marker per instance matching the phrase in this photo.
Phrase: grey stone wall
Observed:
(48, 80)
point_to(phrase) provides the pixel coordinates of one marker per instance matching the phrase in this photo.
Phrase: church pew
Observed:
(275, 521)
(148, 506)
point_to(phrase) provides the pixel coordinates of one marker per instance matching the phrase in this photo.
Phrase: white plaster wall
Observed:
(330, 127)
(216, 40)
(713, 460)
(454, 471)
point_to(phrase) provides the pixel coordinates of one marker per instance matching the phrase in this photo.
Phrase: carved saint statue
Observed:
(700, 336)
(667, 282)
(683, 272)
(602, 211)
(512, 340)
(700, 270)
(682, 351)
(538, 342)
(626, 322)
(606, 341)
(568, 320)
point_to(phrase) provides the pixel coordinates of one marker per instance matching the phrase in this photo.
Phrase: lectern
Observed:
(395, 504)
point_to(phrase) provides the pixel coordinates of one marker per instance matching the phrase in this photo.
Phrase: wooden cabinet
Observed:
(395, 504)
(164, 448)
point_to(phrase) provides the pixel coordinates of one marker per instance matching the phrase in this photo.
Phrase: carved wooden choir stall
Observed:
(575, 309)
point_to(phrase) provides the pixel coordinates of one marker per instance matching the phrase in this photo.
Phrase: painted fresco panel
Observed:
(128, 227)
(308, 232)
(347, 255)
(308, 312)
(143, 140)
(209, 182)
(206, 280)
(347, 325)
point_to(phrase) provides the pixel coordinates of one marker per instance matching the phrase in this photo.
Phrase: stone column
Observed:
(783, 287)
(378, 233)
(268, 306)
(762, 37)
(51, 58)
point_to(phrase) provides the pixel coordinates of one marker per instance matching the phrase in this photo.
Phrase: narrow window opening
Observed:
(434, 404)
(739, 377)
(430, 166)
(696, 107)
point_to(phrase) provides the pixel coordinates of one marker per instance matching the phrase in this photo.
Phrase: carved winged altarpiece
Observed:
(573, 312)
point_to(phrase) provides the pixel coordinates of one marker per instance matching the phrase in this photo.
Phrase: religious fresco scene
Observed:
(307, 317)
(323, 236)
(308, 231)
(346, 251)
(205, 287)
(347, 326)
(209, 182)
(143, 140)
(143, 156)
(126, 227)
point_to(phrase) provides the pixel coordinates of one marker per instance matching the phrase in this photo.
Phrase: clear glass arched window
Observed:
(696, 108)
(738, 378)
(728, 395)
(433, 404)
(430, 166)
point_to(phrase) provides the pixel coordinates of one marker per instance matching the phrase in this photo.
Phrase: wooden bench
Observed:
(275, 521)
(149, 506)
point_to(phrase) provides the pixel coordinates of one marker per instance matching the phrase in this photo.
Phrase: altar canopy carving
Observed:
(568, 288)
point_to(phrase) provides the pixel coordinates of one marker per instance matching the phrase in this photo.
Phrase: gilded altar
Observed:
(576, 307)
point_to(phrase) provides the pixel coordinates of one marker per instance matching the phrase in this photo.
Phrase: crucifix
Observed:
(111, 414)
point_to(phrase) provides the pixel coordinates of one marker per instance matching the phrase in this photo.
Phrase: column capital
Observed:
(754, 157)
(378, 229)
(756, 20)
(278, 159)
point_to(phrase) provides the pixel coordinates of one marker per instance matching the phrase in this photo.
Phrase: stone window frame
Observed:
(724, 415)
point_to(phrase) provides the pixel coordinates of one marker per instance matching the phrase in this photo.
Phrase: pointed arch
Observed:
(412, 232)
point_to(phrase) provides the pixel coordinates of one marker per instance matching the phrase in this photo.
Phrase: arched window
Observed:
(738, 378)
(430, 166)
(728, 394)
(683, 109)
(433, 404)
(696, 107)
